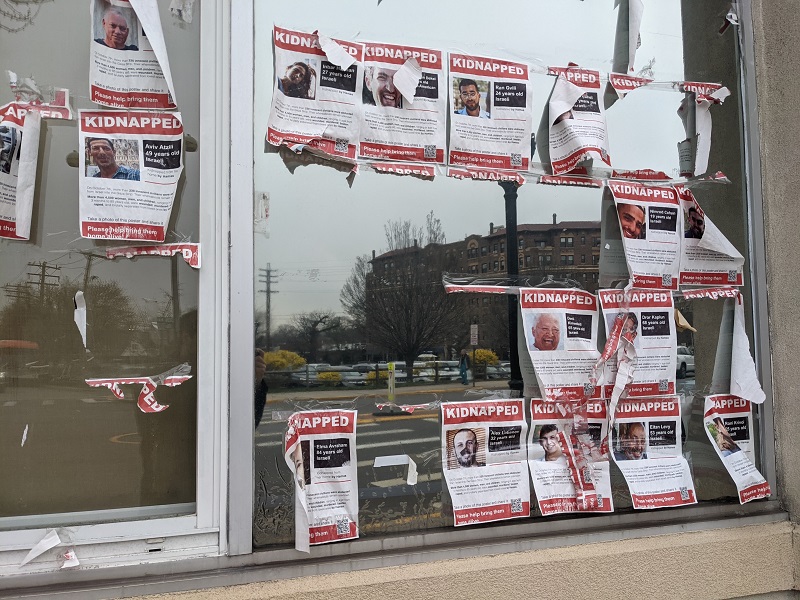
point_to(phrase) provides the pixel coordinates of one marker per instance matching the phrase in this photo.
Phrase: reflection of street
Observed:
(81, 451)
(387, 503)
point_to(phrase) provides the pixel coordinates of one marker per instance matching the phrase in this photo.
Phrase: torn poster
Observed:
(18, 168)
(426, 172)
(146, 400)
(129, 171)
(650, 327)
(651, 232)
(693, 152)
(576, 121)
(189, 251)
(397, 126)
(320, 450)
(399, 460)
(79, 315)
(478, 174)
(561, 341)
(554, 489)
(315, 103)
(128, 67)
(484, 460)
(646, 445)
(728, 421)
(492, 101)
(707, 257)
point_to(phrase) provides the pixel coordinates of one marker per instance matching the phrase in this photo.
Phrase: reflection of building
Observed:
(561, 250)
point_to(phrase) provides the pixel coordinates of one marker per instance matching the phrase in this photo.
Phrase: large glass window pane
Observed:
(66, 447)
(328, 244)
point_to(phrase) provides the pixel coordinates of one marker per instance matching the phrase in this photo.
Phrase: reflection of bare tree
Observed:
(403, 307)
(311, 326)
(112, 320)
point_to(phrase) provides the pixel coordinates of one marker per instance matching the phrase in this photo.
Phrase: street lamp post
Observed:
(512, 264)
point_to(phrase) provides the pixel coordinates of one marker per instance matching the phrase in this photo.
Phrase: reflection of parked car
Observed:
(685, 362)
(307, 374)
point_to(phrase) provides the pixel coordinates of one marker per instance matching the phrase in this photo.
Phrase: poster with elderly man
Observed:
(560, 328)
(484, 460)
(320, 451)
(129, 171)
(129, 67)
(647, 448)
(404, 104)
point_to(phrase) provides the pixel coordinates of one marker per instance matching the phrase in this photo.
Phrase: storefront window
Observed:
(326, 240)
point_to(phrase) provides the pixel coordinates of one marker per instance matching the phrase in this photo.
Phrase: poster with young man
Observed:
(394, 126)
(490, 126)
(555, 491)
(320, 451)
(560, 327)
(646, 445)
(129, 171)
(129, 66)
(483, 460)
(648, 326)
(652, 228)
(317, 99)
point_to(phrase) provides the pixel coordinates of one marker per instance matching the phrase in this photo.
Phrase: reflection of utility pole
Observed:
(266, 277)
(42, 277)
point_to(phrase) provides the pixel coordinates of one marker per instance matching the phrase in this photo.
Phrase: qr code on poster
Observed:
(341, 146)
(732, 276)
(516, 505)
(663, 385)
(599, 500)
(588, 389)
(666, 280)
(516, 160)
(429, 151)
(684, 493)
(343, 526)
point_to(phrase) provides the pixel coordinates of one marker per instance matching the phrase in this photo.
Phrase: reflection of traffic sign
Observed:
(473, 335)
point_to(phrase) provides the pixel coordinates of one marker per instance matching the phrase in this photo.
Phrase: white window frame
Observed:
(99, 541)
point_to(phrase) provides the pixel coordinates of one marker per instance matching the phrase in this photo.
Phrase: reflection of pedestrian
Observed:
(299, 81)
(697, 224)
(463, 366)
(116, 29)
(471, 98)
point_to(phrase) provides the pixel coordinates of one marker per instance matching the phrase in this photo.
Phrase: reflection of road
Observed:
(387, 503)
(69, 461)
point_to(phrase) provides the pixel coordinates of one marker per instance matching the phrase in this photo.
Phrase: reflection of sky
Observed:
(318, 226)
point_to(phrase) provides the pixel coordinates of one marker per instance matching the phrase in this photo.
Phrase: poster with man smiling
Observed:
(404, 104)
(560, 328)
